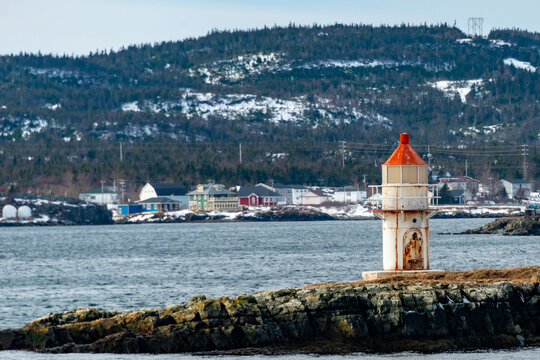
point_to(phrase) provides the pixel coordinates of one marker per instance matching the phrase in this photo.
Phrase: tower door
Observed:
(413, 246)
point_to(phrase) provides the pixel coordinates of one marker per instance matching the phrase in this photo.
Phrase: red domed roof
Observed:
(404, 154)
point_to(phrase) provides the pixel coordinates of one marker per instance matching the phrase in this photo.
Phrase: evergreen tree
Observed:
(444, 193)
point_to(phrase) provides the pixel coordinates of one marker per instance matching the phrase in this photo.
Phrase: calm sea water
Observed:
(50, 269)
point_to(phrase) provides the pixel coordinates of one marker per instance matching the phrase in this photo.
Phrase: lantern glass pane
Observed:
(394, 174)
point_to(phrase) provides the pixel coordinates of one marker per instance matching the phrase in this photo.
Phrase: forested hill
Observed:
(301, 100)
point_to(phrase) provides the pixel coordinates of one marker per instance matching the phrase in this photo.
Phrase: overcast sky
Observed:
(81, 26)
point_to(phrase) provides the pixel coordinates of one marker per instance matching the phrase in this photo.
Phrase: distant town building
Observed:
(258, 196)
(212, 197)
(349, 195)
(291, 193)
(100, 196)
(159, 204)
(460, 183)
(174, 191)
(434, 175)
(461, 196)
(314, 197)
(515, 188)
(129, 209)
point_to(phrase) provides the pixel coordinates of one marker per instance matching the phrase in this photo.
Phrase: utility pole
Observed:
(525, 153)
(466, 165)
(102, 182)
(121, 153)
(240, 152)
(490, 189)
(364, 181)
(429, 158)
(342, 153)
(122, 189)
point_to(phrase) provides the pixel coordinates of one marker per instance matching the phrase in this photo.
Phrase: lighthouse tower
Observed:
(405, 210)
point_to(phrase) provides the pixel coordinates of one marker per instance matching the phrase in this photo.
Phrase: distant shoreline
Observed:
(57, 213)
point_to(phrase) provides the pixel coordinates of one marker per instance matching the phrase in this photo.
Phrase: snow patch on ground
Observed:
(461, 87)
(523, 65)
(53, 106)
(499, 43)
(27, 126)
(495, 210)
(131, 106)
(373, 63)
(248, 106)
(355, 211)
(238, 68)
(242, 67)
(484, 130)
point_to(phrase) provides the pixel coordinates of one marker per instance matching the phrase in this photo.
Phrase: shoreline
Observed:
(55, 213)
(428, 313)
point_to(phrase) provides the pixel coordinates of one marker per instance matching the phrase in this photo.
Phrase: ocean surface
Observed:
(52, 269)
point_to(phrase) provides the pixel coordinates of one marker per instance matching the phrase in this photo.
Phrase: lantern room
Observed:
(404, 166)
(404, 179)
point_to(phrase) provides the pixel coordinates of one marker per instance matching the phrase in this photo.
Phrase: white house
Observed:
(349, 195)
(314, 197)
(515, 188)
(100, 196)
(173, 191)
(290, 193)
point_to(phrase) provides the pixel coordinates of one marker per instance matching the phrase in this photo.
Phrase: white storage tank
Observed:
(24, 212)
(9, 212)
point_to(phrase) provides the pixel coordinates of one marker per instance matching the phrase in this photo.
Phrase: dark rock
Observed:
(334, 318)
(527, 225)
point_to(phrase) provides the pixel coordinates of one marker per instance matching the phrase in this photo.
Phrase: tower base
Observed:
(385, 274)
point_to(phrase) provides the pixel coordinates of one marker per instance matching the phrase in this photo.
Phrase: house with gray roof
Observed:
(101, 196)
(290, 193)
(258, 196)
(174, 191)
(515, 188)
(212, 197)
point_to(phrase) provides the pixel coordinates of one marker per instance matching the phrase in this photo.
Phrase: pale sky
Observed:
(80, 26)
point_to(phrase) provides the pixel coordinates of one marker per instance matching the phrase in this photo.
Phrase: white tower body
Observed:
(405, 212)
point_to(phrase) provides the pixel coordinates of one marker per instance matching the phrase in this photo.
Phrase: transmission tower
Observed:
(475, 26)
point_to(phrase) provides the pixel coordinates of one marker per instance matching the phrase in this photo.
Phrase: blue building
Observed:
(159, 204)
(129, 209)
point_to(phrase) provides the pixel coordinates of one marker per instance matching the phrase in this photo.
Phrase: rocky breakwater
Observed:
(429, 313)
(522, 225)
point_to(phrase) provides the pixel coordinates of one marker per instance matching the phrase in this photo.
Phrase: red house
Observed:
(257, 196)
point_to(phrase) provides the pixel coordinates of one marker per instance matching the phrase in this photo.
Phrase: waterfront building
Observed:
(291, 193)
(101, 196)
(212, 197)
(159, 204)
(515, 188)
(349, 195)
(174, 191)
(314, 197)
(129, 209)
(258, 196)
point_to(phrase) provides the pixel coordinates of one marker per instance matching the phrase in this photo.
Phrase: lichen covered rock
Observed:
(324, 318)
(510, 226)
